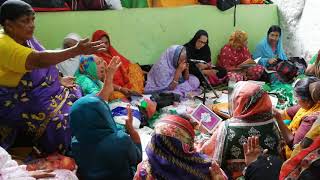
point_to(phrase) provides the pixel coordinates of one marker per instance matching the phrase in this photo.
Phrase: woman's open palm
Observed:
(251, 149)
(112, 67)
(85, 46)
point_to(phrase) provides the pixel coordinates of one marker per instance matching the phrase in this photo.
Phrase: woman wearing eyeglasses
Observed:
(199, 50)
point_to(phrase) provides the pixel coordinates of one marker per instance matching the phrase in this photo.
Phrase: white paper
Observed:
(258, 82)
(223, 98)
(274, 100)
(257, 60)
(270, 71)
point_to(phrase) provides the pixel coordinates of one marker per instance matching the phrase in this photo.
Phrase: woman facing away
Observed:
(303, 165)
(251, 112)
(236, 58)
(34, 101)
(171, 154)
(129, 78)
(100, 150)
(171, 73)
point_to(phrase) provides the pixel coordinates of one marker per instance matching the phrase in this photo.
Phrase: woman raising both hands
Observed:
(100, 149)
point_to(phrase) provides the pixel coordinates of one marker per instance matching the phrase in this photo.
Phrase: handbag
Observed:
(286, 70)
(226, 4)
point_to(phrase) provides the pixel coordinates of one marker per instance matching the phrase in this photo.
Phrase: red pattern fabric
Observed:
(230, 58)
(294, 166)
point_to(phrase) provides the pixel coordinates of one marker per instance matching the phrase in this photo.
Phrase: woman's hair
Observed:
(238, 38)
(274, 28)
(14, 9)
(314, 89)
(303, 90)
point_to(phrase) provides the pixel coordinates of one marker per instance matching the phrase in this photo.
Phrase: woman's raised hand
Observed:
(129, 121)
(112, 67)
(252, 149)
(87, 47)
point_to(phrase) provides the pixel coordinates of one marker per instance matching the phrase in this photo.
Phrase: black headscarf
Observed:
(13, 9)
(201, 54)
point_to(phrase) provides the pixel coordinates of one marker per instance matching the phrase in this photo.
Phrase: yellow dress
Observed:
(171, 3)
(13, 60)
(295, 123)
(136, 78)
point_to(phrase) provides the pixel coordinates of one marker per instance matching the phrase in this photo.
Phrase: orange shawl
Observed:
(121, 76)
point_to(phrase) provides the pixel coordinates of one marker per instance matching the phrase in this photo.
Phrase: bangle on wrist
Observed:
(176, 82)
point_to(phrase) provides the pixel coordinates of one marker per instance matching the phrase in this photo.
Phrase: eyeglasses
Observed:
(204, 43)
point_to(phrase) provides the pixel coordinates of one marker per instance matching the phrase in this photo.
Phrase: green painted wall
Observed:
(143, 34)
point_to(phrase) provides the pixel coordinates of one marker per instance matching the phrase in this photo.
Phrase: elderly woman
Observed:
(34, 104)
(100, 149)
(236, 58)
(251, 112)
(302, 116)
(270, 51)
(171, 154)
(70, 66)
(129, 77)
(171, 73)
(90, 75)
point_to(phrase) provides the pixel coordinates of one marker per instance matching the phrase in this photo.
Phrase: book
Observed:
(205, 117)
(221, 109)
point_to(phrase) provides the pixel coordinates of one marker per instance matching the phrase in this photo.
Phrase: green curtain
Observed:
(134, 3)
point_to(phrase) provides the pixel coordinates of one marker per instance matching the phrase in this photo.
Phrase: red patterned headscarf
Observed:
(250, 102)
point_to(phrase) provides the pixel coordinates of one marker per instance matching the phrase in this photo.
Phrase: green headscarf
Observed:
(87, 77)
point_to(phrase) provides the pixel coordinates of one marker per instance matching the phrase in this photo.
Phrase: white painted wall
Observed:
(300, 23)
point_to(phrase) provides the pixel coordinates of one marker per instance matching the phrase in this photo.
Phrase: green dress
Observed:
(135, 3)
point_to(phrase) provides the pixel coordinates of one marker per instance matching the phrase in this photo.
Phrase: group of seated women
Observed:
(41, 108)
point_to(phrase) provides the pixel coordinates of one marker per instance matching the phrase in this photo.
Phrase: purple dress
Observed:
(38, 108)
(162, 74)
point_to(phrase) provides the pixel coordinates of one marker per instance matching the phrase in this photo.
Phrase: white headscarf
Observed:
(73, 36)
